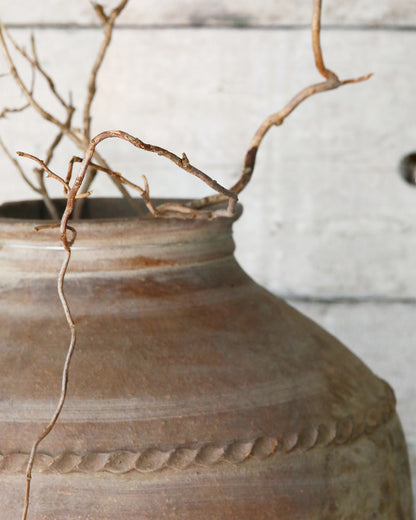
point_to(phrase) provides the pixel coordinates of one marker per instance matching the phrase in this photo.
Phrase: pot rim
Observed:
(116, 204)
(175, 240)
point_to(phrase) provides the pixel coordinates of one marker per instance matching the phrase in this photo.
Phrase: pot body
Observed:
(193, 393)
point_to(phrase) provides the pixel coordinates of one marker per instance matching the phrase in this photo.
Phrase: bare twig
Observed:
(52, 147)
(60, 134)
(41, 189)
(49, 155)
(181, 162)
(72, 191)
(50, 173)
(49, 204)
(6, 110)
(44, 167)
(18, 167)
(34, 62)
(36, 66)
(25, 90)
(65, 372)
(53, 212)
(107, 22)
(78, 137)
(331, 82)
(134, 204)
(144, 192)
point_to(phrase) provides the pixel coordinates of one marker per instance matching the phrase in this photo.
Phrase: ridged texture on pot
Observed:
(194, 393)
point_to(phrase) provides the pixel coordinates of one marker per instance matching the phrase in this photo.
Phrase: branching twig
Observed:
(25, 90)
(144, 192)
(107, 21)
(15, 110)
(6, 110)
(71, 192)
(181, 162)
(65, 127)
(34, 62)
(44, 167)
(331, 82)
(18, 167)
(41, 189)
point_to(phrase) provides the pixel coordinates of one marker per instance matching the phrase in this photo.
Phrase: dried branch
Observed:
(52, 147)
(331, 82)
(25, 90)
(41, 189)
(144, 192)
(6, 110)
(18, 167)
(71, 192)
(49, 204)
(107, 21)
(53, 212)
(65, 372)
(44, 167)
(36, 66)
(65, 127)
(15, 110)
(34, 62)
(181, 162)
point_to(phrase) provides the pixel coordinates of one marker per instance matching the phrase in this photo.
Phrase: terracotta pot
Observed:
(194, 393)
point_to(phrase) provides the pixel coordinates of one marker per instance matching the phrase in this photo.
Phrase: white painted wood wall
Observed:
(328, 223)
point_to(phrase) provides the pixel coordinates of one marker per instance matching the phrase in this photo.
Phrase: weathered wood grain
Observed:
(234, 13)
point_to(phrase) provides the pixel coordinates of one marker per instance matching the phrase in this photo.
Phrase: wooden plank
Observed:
(326, 213)
(234, 13)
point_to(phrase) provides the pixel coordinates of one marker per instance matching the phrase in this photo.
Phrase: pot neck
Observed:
(125, 244)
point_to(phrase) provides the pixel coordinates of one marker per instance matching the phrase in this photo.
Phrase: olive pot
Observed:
(194, 393)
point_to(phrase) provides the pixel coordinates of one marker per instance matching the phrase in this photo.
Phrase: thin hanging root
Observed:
(65, 372)
(72, 193)
(331, 82)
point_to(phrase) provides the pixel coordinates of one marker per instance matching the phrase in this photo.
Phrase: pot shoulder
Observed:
(178, 356)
